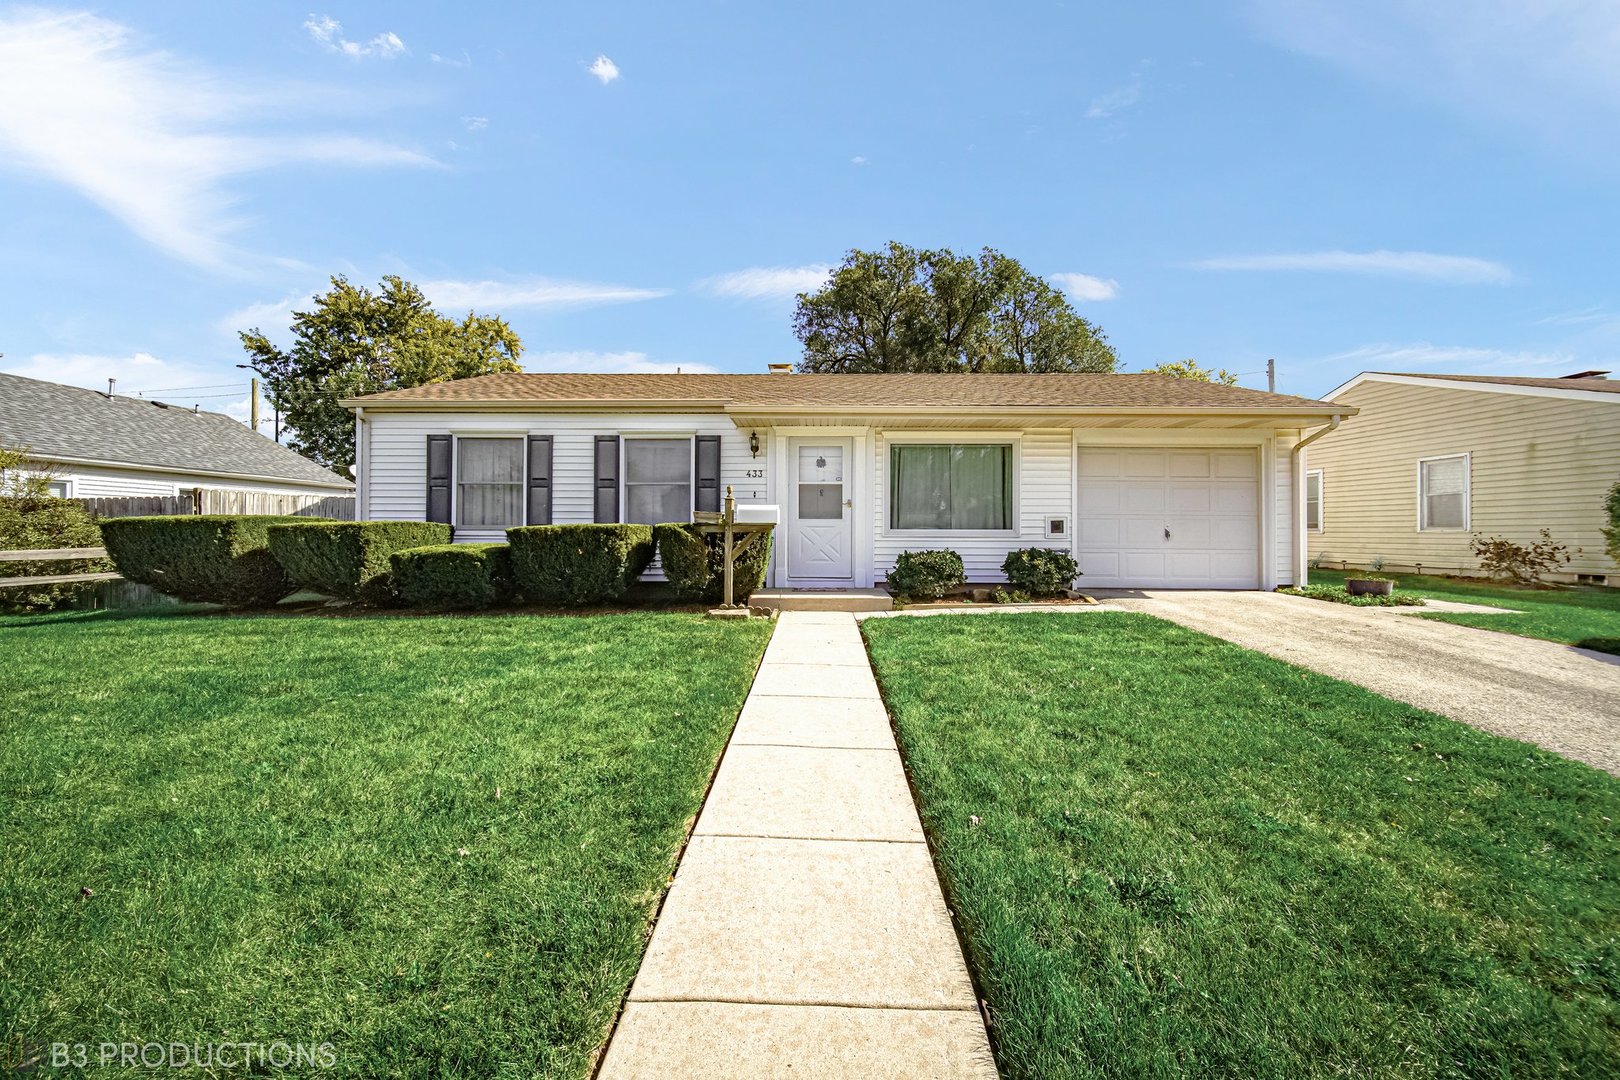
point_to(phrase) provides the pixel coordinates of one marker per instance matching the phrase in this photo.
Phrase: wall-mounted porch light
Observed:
(753, 443)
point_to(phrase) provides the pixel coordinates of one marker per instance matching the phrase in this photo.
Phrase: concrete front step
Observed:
(819, 600)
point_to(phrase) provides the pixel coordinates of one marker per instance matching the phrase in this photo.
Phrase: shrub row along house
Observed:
(1434, 460)
(1148, 480)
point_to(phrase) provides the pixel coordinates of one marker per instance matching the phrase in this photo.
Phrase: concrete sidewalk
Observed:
(805, 934)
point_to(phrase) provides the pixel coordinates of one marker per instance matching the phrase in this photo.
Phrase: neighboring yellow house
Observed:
(1431, 460)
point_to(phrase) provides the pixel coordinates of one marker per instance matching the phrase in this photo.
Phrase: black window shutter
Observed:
(539, 508)
(708, 473)
(439, 470)
(607, 478)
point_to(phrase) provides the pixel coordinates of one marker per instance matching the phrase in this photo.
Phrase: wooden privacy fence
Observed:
(210, 501)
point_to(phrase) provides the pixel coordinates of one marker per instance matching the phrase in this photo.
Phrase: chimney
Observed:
(112, 387)
(779, 369)
(1585, 375)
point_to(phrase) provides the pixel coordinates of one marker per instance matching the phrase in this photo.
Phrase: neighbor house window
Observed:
(1313, 500)
(1443, 492)
(58, 489)
(489, 483)
(956, 486)
(657, 480)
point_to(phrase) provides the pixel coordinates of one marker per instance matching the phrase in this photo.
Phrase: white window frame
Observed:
(1467, 494)
(1321, 500)
(521, 438)
(67, 487)
(948, 438)
(658, 436)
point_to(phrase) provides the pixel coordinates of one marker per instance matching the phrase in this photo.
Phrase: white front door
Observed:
(1156, 517)
(820, 512)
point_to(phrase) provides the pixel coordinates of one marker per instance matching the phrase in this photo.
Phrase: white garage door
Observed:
(1169, 519)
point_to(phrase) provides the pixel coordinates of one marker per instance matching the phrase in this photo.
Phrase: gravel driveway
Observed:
(1564, 699)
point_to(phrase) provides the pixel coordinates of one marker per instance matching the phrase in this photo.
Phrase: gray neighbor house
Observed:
(94, 444)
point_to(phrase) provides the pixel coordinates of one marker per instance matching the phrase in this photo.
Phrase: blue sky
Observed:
(1409, 185)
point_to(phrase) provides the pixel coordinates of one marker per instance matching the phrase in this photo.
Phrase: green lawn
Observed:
(1194, 860)
(1586, 615)
(435, 843)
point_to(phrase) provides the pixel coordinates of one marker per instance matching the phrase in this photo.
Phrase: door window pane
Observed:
(821, 502)
(657, 480)
(489, 479)
(963, 486)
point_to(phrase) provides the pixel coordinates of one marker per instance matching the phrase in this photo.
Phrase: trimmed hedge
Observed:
(695, 564)
(1041, 571)
(348, 559)
(927, 575)
(578, 564)
(452, 576)
(219, 558)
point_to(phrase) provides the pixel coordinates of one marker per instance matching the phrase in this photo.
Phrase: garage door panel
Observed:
(1209, 500)
(1194, 466)
(1144, 466)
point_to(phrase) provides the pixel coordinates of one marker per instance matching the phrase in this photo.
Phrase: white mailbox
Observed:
(758, 514)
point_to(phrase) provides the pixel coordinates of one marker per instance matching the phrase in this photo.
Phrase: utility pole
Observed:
(1271, 376)
(253, 410)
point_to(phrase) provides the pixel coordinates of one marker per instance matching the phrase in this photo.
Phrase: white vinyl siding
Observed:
(656, 480)
(489, 483)
(1313, 500)
(1443, 493)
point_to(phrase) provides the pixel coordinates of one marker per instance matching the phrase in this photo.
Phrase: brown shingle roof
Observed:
(1595, 384)
(848, 391)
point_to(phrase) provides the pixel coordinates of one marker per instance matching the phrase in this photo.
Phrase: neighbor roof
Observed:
(1063, 391)
(55, 421)
(1593, 383)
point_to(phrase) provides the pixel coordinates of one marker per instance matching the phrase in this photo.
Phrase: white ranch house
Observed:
(1150, 481)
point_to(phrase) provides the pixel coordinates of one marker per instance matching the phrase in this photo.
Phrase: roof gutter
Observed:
(186, 470)
(1297, 482)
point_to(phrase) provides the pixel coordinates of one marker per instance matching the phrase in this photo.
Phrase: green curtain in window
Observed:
(964, 486)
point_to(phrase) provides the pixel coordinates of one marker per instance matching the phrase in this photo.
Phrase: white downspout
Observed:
(1296, 480)
(360, 513)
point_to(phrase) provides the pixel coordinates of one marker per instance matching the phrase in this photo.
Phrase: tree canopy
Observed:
(909, 309)
(1190, 369)
(355, 341)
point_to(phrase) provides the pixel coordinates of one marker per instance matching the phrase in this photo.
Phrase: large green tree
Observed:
(1191, 369)
(355, 341)
(910, 309)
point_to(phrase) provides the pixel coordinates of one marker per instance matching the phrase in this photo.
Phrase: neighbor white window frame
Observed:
(66, 486)
(950, 438)
(626, 438)
(1321, 500)
(521, 438)
(1467, 494)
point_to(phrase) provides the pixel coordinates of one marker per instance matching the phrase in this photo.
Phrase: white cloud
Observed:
(1116, 100)
(604, 69)
(1421, 265)
(328, 33)
(1455, 359)
(531, 292)
(464, 60)
(1084, 287)
(143, 375)
(1548, 65)
(633, 363)
(767, 282)
(475, 123)
(148, 137)
(857, 160)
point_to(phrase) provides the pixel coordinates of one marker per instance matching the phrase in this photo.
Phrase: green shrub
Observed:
(695, 564)
(1040, 571)
(927, 575)
(31, 518)
(219, 558)
(1338, 594)
(348, 559)
(578, 564)
(1611, 531)
(451, 576)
